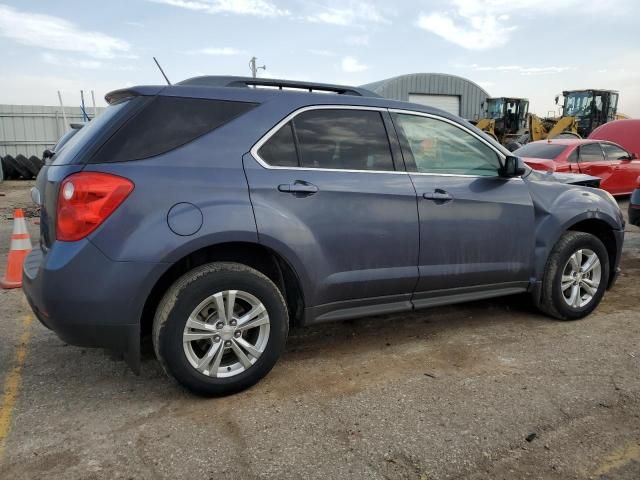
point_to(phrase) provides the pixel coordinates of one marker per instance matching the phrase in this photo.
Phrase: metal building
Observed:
(451, 93)
(30, 129)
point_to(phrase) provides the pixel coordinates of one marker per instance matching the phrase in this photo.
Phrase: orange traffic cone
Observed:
(20, 248)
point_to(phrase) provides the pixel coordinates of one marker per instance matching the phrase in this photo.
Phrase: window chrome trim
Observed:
(273, 130)
(265, 138)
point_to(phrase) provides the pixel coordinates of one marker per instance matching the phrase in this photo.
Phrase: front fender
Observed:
(558, 207)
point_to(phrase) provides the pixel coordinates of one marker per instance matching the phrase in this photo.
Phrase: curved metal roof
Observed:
(398, 88)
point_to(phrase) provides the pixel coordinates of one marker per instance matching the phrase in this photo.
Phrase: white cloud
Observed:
(357, 40)
(476, 25)
(261, 8)
(353, 13)
(66, 61)
(322, 53)
(352, 65)
(222, 51)
(519, 69)
(54, 33)
(89, 64)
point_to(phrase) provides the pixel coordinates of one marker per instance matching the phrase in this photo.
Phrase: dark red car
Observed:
(618, 168)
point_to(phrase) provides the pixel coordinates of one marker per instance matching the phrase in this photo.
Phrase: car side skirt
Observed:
(402, 303)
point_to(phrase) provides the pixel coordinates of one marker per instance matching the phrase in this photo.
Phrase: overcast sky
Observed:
(518, 48)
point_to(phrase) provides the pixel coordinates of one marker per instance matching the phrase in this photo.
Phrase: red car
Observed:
(617, 167)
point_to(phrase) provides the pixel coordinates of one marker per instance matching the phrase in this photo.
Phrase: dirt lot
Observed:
(452, 392)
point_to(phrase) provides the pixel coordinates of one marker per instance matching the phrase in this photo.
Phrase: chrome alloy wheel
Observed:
(226, 333)
(581, 278)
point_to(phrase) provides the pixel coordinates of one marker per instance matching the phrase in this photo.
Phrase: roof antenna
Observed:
(161, 71)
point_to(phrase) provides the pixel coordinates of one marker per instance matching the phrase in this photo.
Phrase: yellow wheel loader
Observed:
(505, 119)
(582, 112)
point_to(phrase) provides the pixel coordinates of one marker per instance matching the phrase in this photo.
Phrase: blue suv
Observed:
(217, 213)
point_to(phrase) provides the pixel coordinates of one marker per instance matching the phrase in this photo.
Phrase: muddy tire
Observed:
(22, 167)
(220, 328)
(9, 165)
(34, 164)
(575, 277)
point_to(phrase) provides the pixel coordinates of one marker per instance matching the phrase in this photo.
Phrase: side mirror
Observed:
(512, 167)
(557, 98)
(634, 156)
(47, 154)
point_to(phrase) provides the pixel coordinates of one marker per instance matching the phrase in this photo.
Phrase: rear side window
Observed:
(548, 151)
(166, 123)
(280, 149)
(343, 139)
(591, 153)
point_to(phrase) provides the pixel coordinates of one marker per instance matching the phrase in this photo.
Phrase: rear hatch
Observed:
(71, 158)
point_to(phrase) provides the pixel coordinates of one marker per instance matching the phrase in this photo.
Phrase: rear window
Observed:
(166, 123)
(68, 151)
(548, 151)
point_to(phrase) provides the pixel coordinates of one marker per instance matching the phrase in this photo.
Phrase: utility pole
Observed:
(254, 68)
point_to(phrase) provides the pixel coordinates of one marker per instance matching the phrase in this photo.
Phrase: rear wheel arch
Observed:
(256, 256)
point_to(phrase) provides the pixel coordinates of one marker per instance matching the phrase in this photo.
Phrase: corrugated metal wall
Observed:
(30, 129)
(398, 88)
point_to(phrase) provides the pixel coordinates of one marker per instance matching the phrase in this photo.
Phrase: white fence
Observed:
(30, 129)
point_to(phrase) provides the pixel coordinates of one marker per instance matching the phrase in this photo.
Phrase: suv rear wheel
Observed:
(575, 276)
(220, 328)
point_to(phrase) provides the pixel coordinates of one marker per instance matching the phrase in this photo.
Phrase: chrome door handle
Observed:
(300, 187)
(438, 195)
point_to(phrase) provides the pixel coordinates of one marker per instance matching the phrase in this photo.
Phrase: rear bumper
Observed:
(87, 299)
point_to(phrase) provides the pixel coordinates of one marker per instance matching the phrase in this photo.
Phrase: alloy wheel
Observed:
(226, 333)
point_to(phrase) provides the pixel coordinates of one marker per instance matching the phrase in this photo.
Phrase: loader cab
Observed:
(591, 108)
(510, 114)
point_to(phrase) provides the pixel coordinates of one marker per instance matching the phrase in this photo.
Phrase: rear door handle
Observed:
(300, 187)
(438, 195)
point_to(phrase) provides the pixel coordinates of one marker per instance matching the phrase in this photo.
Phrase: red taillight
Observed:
(85, 200)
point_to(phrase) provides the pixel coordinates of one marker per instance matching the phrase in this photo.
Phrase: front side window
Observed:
(591, 153)
(440, 147)
(612, 152)
(343, 139)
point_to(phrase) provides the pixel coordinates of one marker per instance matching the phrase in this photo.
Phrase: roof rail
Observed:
(247, 82)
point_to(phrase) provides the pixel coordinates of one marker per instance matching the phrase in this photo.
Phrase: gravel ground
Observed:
(482, 390)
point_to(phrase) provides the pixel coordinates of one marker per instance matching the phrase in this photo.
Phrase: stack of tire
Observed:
(21, 167)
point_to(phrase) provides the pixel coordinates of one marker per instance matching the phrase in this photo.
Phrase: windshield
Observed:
(74, 144)
(495, 108)
(581, 104)
(547, 151)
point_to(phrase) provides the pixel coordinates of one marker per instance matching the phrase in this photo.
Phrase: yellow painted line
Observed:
(12, 384)
(619, 458)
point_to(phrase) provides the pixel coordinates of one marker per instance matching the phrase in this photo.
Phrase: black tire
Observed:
(10, 172)
(22, 167)
(552, 301)
(186, 294)
(34, 164)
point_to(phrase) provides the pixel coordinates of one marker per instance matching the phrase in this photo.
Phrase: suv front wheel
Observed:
(575, 276)
(220, 328)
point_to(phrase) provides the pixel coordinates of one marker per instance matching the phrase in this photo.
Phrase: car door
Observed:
(476, 228)
(591, 160)
(625, 171)
(326, 193)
